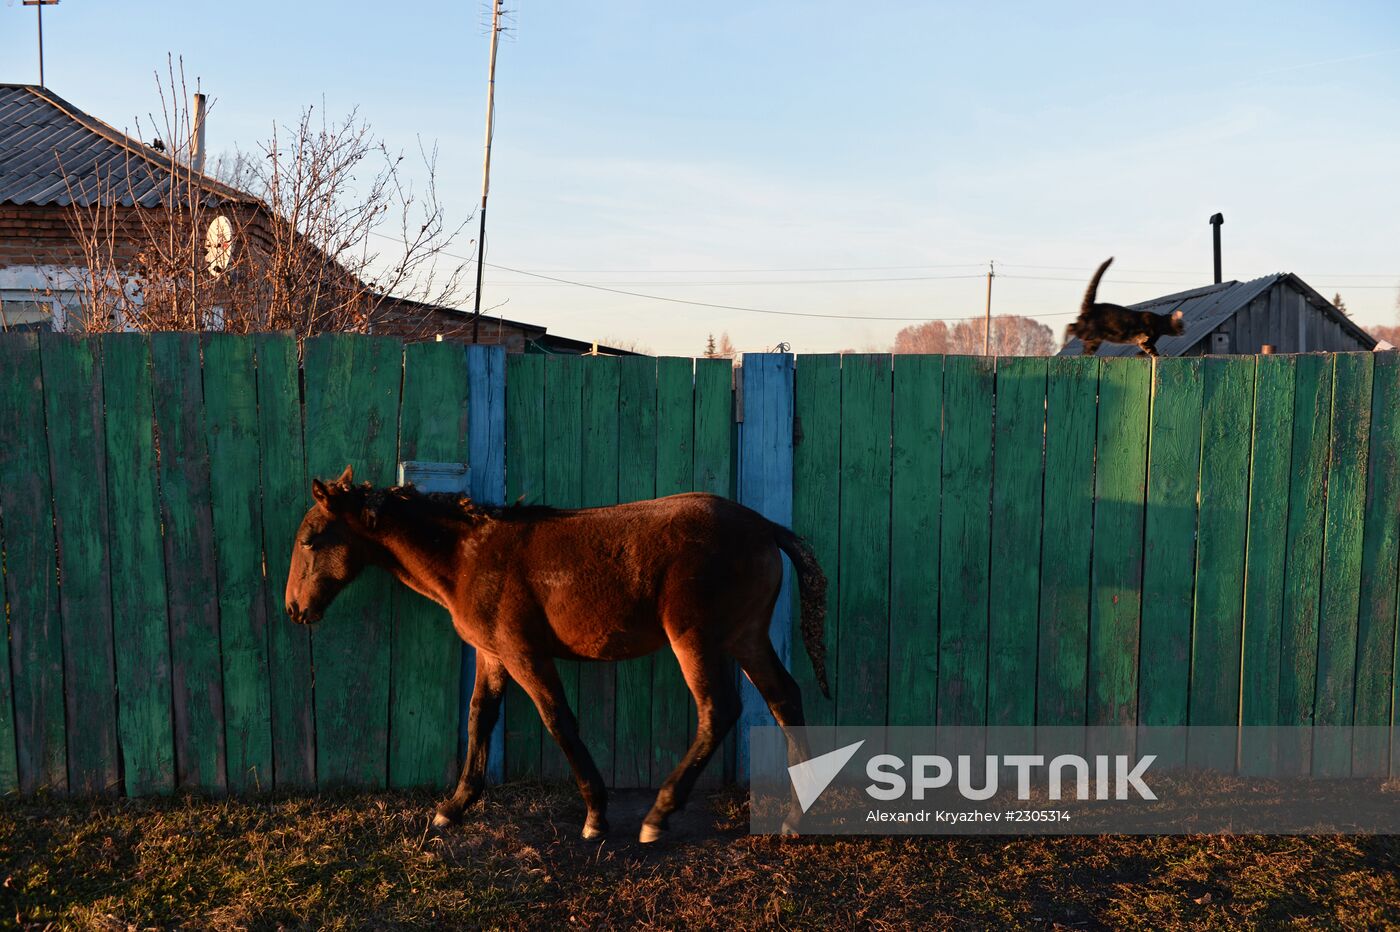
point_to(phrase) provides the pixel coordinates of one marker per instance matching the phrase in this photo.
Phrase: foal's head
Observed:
(330, 549)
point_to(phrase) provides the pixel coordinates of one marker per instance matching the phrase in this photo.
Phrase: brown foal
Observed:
(527, 585)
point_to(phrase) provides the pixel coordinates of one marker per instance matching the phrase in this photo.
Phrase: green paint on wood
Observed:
(965, 545)
(862, 653)
(636, 481)
(525, 446)
(426, 658)
(1312, 413)
(714, 459)
(675, 472)
(139, 622)
(73, 409)
(285, 498)
(1219, 613)
(916, 482)
(1380, 561)
(231, 418)
(563, 488)
(1070, 428)
(597, 682)
(816, 515)
(33, 755)
(352, 404)
(192, 585)
(1270, 461)
(1018, 479)
(1169, 550)
(1120, 489)
(1341, 561)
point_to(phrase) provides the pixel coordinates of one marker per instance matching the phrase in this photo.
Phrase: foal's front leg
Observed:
(481, 720)
(538, 676)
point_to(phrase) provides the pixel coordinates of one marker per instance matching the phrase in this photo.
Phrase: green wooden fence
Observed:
(1056, 541)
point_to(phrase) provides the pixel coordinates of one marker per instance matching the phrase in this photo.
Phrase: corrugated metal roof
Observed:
(1202, 310)
(53, 153)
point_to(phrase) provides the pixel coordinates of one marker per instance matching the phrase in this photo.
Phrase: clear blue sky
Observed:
(634, 139)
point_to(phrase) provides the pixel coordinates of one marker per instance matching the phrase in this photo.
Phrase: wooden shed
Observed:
(1279, 310)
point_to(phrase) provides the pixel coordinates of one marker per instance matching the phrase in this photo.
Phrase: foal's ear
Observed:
(347, 478)
(1176, 315)
(327, 497)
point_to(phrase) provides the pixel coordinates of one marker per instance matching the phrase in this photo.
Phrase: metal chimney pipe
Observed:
(197, 140)
(1216, 221)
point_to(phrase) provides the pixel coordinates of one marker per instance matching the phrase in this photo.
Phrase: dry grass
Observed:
(366, 861)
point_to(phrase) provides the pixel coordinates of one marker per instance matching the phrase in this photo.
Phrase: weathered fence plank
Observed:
(1307, 497)
(1224, 503)
(597, 682)
(1017, 482)
(486, 452)
(139, 621)
(1341, 562)
(765, 485)
(1380, 565)
(816, 514)
(73, 413)
(33, 755)
(191, 580)
(714, 472)
(525, 449)
(285, 498)
(916, 482)
(1120, 487)
(1070, 428)
(1270, 462)
(425, 660)
(352, 407)
(675, 472)
(1169, 550)
(231, 416)
(563, 488)
(965, 547)
(636, 481)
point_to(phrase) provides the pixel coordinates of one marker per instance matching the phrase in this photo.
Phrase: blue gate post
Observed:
(765, 485)
(486, 452)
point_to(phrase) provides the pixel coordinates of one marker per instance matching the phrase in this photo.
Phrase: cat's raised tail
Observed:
(1092, 295)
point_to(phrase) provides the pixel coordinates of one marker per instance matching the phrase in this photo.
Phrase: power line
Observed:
(775, 281)
(749, 310)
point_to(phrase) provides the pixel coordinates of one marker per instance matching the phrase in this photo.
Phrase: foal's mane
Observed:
(409, 503)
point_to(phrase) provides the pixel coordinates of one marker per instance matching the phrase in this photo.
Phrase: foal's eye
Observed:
(305, 545)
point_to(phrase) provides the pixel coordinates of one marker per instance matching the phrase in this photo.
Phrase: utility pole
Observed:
(39, 9)
(987, 329)
(486, 165)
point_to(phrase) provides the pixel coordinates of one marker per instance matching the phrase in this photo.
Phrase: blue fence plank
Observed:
(486, 452)
(765, 485)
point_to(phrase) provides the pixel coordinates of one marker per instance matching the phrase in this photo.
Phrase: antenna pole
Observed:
(486, 164)
(987, 327)
(39, 10)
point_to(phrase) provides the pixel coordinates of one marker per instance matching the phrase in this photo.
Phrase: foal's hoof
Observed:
(650, 833)
(441, 821)
(594, 828)
(790, 828)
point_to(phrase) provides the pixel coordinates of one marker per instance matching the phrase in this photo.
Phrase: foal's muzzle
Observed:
(302, 616)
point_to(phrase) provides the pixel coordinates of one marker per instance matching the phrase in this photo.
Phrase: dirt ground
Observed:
(368, 861)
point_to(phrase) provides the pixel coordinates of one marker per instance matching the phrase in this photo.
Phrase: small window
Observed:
(26, 314)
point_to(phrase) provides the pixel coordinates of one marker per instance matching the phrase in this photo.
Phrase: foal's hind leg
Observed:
(540, 679)
(485, 709)
(717, 704)
(765, 670)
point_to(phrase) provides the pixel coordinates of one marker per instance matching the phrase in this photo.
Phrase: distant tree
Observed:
(1011, 336)
(710, 351)
(630, 344)
(1339, 304)
(726, 348)
(930, 337)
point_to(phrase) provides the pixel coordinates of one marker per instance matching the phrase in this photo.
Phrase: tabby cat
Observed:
(1112, 323)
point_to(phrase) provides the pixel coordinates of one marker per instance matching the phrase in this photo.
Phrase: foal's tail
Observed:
(811, 584)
